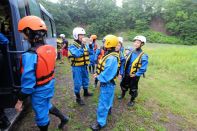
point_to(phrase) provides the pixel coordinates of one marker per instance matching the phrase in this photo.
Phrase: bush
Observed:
(153, 37)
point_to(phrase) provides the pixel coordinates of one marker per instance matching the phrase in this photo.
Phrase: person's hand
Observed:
(18, 106)
(132, 75)
(120, 77)
(95, 75)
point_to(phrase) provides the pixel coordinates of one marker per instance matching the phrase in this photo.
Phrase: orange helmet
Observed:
(94, 37)
(33, 22)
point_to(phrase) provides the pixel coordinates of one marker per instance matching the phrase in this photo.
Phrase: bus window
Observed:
(48, 24)
(34, 8)
(21, 6)
(54, 29)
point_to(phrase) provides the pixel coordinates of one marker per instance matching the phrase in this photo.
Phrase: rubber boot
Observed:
(79, 100)
(43, 128)
(122, 95)
(131, 102)
(86, 93)
(4, 122)
(64, 119)
(96, 126)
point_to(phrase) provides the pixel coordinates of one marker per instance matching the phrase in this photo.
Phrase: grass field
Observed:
(167, 96)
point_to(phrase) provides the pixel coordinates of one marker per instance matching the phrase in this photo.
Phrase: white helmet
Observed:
(78, 31)
(62, 35)
(120, 39)
(141, 38)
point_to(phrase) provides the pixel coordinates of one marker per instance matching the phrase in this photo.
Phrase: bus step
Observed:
(12, 115)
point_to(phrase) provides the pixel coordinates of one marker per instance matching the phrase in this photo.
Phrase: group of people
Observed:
(111, 62)
(38, 66)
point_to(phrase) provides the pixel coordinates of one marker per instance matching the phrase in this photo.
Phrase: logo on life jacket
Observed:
(102, 62)
(45, 64)
(80, 61)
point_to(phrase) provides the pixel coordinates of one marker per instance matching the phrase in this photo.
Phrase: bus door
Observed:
(10, 61)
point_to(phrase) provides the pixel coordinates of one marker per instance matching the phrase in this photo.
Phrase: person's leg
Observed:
(85, 81)
(63, 118)
(89, 66)
(124, 87)
(133, 90)
(95, 83)
(105, 102)
(41, 109)
(77, 79)
(93, 69)
(44, 128)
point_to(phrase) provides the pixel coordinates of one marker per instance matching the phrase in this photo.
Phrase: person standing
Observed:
(107, 70)
(79, 57)
(37, 69)
(136, 65)
(92, 56)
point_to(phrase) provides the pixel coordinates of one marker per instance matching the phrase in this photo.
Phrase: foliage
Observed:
(103, 17)
(181, 19)
(153, 37)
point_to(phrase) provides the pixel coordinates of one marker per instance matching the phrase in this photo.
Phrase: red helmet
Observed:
(33, 22)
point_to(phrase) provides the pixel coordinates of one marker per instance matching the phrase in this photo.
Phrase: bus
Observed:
(11, 11)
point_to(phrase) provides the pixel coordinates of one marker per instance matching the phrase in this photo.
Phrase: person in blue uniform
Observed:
(92, 56)
(37, 73)
(120, 49)
(107, 70)
(135, 66)
(79, 57)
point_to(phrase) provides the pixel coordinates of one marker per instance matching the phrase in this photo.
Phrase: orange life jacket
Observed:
(45, 64)
(102, 53)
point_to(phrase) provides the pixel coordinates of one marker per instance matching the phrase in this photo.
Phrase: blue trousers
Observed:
(80, 78)
(105, 102)
(41, 104)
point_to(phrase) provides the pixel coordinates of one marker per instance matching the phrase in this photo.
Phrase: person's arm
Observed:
(65, 44)
(3, 39)
(96, 55)
(110, 70)
(122, 60)
(28, 78)
(90, 49)
(76, 52)
(144, 66)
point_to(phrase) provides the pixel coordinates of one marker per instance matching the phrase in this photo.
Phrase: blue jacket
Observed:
(78, 52)
(144, 60)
